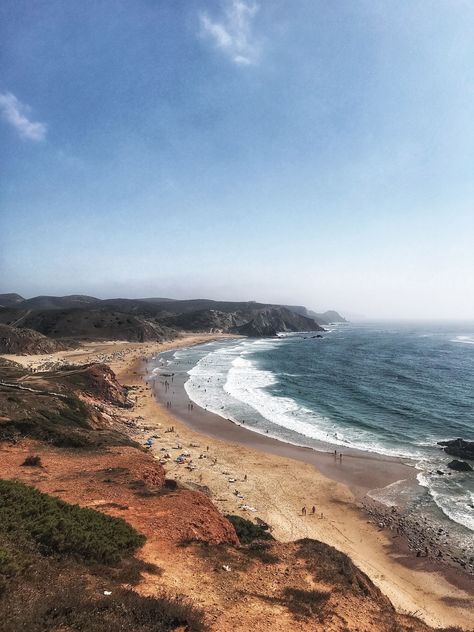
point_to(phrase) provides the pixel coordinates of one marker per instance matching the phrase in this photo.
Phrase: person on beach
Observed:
(340, 457)
(303, 511)
(313, 510)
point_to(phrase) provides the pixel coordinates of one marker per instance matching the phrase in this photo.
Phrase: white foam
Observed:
(229, 383)
(467, 340)
(247, 384)
(451, 497)
(392, 494)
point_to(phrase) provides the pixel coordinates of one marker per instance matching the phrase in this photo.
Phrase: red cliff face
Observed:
(99, 382)
(189, 516)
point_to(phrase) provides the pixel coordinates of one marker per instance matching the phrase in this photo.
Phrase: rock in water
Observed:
(459, 447)
(460, 466)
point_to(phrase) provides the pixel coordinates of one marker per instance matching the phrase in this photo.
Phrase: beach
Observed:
(278, 480)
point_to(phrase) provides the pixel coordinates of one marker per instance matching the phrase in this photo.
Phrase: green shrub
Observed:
(67, 426)
(8, 565)
(57, 527)
(247, 531)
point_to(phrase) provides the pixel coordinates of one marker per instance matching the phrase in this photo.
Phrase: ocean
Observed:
(394, 389)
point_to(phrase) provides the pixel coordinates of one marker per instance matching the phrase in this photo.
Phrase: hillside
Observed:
(271, 320)
(26, 341)
(78, 317)
(10, 300)
(59, 302)
(86, 324)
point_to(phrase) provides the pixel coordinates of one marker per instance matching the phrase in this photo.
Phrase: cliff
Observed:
(272, 320)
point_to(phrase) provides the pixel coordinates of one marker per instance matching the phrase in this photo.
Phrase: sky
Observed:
(290, 151)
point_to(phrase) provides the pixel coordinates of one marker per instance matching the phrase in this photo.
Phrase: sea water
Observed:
(393, 389)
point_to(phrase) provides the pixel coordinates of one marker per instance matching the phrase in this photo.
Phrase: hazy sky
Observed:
(305, 151)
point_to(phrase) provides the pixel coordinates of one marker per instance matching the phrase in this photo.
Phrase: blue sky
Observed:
(302, 151)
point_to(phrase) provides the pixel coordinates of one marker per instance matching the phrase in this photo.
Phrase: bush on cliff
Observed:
(55, 527)
(247, 531)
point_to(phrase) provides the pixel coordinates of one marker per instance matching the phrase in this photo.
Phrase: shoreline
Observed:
(276, 488)
(362, 472)
(351, 470)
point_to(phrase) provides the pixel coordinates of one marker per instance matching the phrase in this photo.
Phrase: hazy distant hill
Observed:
(329, 316)
(88, 318)
(59, 302)
(325, 318)
(9, 300)
(199, 304)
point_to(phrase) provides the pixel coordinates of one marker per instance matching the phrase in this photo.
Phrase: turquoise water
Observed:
(395, 389)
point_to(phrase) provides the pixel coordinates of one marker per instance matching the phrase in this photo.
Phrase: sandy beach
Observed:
(275, 481)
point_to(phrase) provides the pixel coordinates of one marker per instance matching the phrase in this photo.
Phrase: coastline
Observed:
(360, 471)
(417, 540)
(278, 486)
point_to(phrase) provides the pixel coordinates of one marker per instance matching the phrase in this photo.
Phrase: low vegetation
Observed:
(247, 531)
(59, 562)
(75, 607)
(63, 422)
(55, 527)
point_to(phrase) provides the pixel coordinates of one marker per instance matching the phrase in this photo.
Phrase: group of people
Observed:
(304, 511)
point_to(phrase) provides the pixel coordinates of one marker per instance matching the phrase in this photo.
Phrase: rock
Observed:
(460, 466)
(271, 320)
(459, 447)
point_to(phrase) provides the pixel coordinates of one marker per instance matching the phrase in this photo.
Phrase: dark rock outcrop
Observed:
(459, 466)
(272, 320)
(459, 447)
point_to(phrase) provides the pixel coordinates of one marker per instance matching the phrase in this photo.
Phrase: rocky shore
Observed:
(418, 534)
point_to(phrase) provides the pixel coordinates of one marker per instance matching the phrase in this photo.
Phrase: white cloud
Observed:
(15, 113)
(233, 33)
